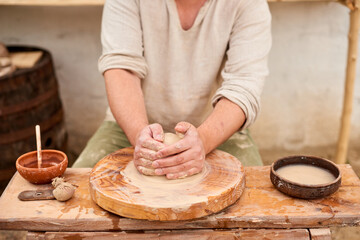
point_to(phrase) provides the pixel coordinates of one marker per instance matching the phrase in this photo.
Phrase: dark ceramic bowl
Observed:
(303, 190)
(54, 165)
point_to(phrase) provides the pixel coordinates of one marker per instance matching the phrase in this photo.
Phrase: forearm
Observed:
(223, 122)
(126, 101)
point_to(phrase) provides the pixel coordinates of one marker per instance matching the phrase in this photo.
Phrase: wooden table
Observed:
(261, 210)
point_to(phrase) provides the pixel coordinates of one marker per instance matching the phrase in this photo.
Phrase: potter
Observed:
(204, 83)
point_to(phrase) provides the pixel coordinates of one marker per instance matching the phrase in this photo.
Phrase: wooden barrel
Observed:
(28, 97)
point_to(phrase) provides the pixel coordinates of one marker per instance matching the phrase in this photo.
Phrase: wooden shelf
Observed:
(101, 2)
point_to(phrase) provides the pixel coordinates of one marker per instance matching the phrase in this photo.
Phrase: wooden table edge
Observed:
(303, 234)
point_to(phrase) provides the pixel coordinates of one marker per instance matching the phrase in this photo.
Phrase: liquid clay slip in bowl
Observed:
(306, 177)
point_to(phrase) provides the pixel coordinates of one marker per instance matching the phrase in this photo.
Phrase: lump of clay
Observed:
(169, 139)
(63, 191)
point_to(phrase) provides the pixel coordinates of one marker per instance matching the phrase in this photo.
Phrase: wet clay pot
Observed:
(54, 164)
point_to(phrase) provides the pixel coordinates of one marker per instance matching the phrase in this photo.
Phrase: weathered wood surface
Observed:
(219, 185)
(260, 206)
(320, 234)
(248, 234)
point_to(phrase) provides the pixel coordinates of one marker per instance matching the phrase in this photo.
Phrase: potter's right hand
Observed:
(148, 142)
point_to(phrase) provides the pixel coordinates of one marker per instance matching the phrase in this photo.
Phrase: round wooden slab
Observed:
(116, 186)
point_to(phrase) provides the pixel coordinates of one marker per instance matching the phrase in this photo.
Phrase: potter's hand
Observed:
(148, 142)
(184, 158)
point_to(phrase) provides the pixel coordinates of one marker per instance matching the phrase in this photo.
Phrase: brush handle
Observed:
(38, 145)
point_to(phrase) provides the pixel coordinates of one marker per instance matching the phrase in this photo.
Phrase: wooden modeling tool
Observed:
(38, 145)
(32, 195)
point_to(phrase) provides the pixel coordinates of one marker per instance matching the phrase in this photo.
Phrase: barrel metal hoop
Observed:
(30, 131)
(23, 106)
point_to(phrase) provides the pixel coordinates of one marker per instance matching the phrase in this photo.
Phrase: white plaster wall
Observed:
(302, 99)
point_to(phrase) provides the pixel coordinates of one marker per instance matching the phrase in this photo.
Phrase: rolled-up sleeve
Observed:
(246, 65)
(121, 38)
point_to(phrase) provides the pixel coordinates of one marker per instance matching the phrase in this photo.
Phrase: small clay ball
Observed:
(64, 191)
(171, 138)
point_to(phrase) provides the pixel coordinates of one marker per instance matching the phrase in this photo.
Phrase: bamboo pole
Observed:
(343, 140)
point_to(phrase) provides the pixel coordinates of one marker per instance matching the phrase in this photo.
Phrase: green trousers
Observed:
(110, 137)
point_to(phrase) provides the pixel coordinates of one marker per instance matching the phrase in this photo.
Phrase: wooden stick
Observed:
(38, 145)
(343, 140)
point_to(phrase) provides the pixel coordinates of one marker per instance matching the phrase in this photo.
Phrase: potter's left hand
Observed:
(184, 158)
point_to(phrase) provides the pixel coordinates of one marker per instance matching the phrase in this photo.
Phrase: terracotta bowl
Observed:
(303, 190)
(54, 165)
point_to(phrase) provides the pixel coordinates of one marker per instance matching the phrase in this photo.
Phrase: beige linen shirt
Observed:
(184, 73)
